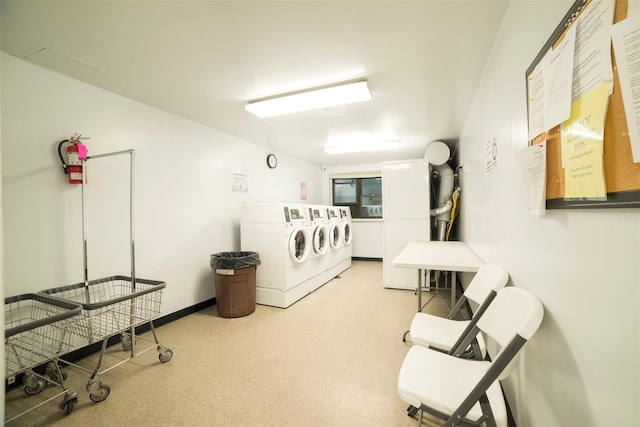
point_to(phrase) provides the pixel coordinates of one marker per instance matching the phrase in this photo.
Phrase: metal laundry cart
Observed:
(113, 305)
(37, 331)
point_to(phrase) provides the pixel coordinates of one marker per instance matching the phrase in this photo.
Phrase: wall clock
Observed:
(272, 161)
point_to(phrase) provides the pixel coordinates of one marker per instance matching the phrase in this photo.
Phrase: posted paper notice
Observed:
(626, 43)
(592, 57)
(533, 164)
(239, 182)
(558, 72)
(491, 155)
(583, 146)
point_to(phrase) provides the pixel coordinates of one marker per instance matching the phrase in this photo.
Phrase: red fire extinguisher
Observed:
(75, 153)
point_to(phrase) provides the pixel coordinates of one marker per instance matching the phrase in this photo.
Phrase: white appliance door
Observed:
(320, 239)
(405, 190)
(396, 236)
(299, 245)
(335, 236)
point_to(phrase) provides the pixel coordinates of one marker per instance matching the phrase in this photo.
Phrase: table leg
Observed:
(435, 294)
(453, 289)
(419, 290)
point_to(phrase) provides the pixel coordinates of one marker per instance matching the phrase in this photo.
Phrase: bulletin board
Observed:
(622, 175)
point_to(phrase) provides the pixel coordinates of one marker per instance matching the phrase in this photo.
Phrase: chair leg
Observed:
(412, 411)
(490, 420)
(420, 418)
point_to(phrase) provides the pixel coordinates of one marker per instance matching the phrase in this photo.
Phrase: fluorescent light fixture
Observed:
(312, 99)
(354, 142)
(361, 147)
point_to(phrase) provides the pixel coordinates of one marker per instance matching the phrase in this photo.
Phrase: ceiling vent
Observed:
(61, 62)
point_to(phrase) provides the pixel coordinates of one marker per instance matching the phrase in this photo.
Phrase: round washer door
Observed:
(320, 240)
(335, 237)
(298, 245)
(346, 234)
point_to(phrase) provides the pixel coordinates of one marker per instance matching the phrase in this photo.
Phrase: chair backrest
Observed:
(511, 320)
(482, 290)
(488, 278)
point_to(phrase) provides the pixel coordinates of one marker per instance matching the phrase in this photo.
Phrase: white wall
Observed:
(368, 238)
(583, 366)
(185, 209)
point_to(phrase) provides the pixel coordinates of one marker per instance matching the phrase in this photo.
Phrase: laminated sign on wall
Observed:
(240, 183)
(491, 155)
(303, 191)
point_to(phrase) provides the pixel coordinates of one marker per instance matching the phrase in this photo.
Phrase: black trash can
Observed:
(235, 281)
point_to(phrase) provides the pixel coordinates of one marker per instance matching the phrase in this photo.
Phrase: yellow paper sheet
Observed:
(582, 146)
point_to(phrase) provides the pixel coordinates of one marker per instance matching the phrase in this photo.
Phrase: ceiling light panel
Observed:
(312, 99)
(361, 147)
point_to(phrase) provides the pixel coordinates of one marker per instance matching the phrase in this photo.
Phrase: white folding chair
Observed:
(443, 333)
(462, 390)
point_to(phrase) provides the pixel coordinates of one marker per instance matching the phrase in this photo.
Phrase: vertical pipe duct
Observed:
(437, 154)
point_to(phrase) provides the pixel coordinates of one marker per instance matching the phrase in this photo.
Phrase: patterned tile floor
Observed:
(331, 359)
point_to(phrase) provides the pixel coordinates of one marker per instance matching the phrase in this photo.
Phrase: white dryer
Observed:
(280, 234)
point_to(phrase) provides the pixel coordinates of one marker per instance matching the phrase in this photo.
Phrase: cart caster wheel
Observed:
(53, 375)
(68, 405)
(166, 355)
(36, 388)
(104, 391)
(53, 370)
(126, 342)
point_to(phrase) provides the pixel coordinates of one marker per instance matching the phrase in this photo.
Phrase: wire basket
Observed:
(37, 329)
(112, 305)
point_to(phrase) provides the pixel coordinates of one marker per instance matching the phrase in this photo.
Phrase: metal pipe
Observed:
(446, 189)
(445, 204)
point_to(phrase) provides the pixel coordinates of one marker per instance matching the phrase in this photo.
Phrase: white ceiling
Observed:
(203, 60)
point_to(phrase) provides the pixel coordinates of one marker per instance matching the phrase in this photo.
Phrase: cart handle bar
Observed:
(96, 156)
(132, 153)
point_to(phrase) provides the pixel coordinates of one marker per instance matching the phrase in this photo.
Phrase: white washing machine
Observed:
(345, 226)
(346, 234)
(319, 230)
(280, 233)
(320, 244)
(332, 262)
(336, 261)
(335, 220)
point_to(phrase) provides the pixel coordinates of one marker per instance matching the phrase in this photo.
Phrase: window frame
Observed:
(356, 206)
